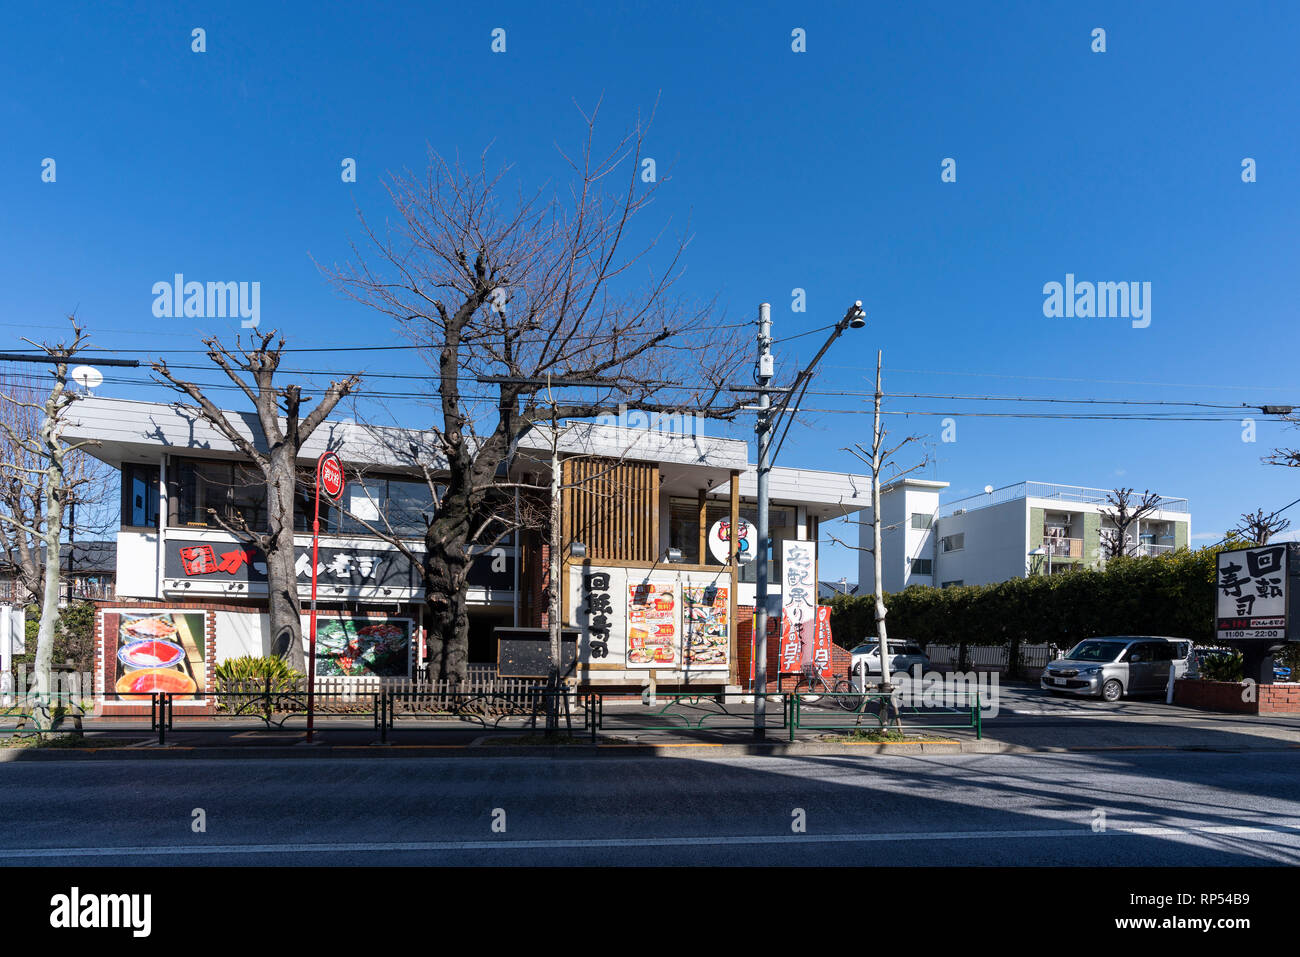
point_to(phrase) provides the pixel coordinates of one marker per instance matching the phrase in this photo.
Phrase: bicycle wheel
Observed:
(845, 697)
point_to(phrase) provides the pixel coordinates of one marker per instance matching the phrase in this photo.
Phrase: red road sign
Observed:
(330, 470)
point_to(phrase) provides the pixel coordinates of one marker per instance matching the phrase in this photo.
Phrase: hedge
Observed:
(1170, 595)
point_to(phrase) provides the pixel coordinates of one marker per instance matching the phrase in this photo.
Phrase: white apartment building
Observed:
(1028, 528)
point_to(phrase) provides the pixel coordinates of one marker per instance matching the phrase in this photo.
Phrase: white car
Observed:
(903, 656)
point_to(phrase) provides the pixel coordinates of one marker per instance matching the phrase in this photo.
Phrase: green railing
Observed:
(874, 710)
(682, 711)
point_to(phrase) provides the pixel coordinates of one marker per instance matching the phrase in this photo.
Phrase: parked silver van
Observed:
(1115, 666)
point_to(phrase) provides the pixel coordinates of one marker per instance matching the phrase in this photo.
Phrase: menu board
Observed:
(706, 610)
(652, 625)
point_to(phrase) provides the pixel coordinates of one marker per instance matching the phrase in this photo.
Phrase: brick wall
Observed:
(841, 660)
(1279, 698)
(1227, 696)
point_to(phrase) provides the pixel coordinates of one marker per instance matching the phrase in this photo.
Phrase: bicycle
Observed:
(842, 694)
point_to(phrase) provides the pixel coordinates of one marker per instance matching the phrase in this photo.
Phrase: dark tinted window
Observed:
(1158, 651)
(140, 495)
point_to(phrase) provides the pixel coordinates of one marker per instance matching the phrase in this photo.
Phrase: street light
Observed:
(854, 318)
(1043, 550)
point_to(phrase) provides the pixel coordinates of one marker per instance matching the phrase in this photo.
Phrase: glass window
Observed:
(684, 529)
(365, 500)
(237, 490)
(247, 497)
(232, 491)
(410, 507)
(403, 507)
(140, 495)
(921, 566)
(921, 520)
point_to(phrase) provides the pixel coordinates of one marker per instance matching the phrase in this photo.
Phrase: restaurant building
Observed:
(652, 579)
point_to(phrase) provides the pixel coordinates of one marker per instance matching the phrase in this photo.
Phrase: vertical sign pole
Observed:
(311, 649)
(763, 552)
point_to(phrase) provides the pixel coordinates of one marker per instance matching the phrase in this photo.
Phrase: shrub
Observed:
(1222, 667)
(74, 637)
(1170, 595)
(255, 674)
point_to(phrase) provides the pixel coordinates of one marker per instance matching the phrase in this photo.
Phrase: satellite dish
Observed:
(88, 377)
(988, 489)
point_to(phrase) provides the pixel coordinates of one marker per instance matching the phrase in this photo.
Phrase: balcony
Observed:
(1059, 547)
(1149, 548)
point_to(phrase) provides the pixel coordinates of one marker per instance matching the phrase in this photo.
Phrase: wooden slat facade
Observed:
(613, 508)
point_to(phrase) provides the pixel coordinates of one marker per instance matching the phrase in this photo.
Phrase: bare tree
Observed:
(40, 469)
(1284, 456)
(507, 296)
(1259, 528)
(90, 485)
(283, 434)
(1124, 513)
(876, 457)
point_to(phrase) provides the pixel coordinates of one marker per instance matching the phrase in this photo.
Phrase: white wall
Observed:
(996, 546)
(239, 634)
(137, 564)
(919, 541)
(899, 541)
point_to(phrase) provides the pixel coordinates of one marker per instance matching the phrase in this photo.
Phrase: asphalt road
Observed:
(1159, 809)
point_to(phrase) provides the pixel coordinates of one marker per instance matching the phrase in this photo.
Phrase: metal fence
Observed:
(276, 709)
(684, 711)
(873, 711)
(991, 657)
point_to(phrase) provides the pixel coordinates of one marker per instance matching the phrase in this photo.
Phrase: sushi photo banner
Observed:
(359, 646)
(152, 650)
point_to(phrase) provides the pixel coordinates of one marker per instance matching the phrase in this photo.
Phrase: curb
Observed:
(586, 751)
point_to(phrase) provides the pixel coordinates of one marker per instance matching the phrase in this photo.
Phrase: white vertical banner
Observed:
(798, 599)
(598, 607)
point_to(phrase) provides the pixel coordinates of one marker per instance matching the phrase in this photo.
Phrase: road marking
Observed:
(581, 843)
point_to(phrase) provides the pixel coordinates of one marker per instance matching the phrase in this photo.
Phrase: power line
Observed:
(469, 342)
(1038, 378)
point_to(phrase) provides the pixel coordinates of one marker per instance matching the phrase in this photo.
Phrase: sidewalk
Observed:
(1046, 727)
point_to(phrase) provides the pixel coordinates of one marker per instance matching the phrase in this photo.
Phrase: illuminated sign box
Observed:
(1255, 589)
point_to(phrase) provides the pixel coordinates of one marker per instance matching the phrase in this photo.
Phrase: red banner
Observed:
(822, 643)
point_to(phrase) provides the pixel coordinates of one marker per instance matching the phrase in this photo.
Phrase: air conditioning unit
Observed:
(960, 511)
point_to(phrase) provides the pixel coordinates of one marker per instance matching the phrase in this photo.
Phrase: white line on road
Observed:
(580, 843)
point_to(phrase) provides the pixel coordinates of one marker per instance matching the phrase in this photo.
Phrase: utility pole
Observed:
(766, 366)
(876, 536)
(854, 318)
(555, 681)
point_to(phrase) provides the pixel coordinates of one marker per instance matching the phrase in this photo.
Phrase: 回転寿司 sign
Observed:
(1254, 590)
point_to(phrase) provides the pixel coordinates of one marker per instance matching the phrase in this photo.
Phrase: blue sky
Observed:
(817, 170)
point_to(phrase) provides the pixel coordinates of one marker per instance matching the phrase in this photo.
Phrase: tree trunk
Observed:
(446, 571)
(42, 716)
(445, 574)
(285, 608)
